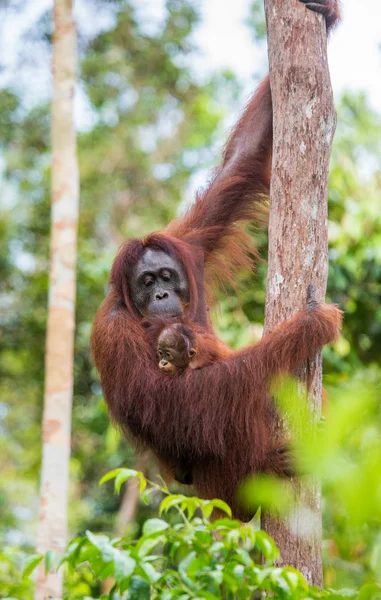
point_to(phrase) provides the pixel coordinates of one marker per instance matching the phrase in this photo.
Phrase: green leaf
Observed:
(239, 571)
(217, 576)
(142, 485)
(30, 564)
(184, 564)
(169, 502)
(110, 475)
(123, 476)
(73, 551)
(145, 546)
(124, 566)
(204, 537)
(115, 473)
(370, 591)
(225, 523)
(190, 506)
(295, 579)
(139, 589)
(154, 526)
(266, 545)
(49, 560)
(145, 496)
(375, 559)
(207, 508)
(150, 571)
(222, 506)
(103, 544)
(245, 557)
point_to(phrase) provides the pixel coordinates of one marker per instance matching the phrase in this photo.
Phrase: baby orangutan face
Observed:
(176, 347)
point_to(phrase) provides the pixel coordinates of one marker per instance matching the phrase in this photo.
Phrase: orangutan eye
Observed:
(166, 275)
(148, 280)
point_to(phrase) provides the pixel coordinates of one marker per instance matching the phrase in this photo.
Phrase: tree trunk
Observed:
(56, 425)
(304, 124)
(131, 498)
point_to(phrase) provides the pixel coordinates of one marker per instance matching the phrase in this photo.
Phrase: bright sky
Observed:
(224, 40)
(354, 48)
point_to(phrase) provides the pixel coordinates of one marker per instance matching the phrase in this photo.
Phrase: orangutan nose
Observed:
(161, 295)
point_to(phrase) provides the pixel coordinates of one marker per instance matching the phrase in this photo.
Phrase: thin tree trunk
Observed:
(304, 124)
(56, 426)
(131, 498)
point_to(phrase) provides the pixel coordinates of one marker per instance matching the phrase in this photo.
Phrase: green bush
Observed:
(184, 553)
(181, 554)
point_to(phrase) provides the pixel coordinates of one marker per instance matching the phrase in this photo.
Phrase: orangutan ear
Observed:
(192, 352)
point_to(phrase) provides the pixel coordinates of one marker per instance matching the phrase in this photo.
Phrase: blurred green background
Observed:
(149, 126)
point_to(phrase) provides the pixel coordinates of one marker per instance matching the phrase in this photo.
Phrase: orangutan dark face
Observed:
(176, 347)
(159, 285)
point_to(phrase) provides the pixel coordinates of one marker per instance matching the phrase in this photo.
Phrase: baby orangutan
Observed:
(180, 346)
(176, 347)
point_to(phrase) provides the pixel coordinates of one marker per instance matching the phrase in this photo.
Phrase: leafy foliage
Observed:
(184, 555)
(12, 585)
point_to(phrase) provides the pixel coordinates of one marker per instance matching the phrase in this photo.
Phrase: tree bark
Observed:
(56, 424)
(304, 124)
(131, 498)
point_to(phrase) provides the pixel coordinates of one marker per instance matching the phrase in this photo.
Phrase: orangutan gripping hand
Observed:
(330, 9)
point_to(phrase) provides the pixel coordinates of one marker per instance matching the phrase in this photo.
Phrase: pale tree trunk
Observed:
(304, 124)
(131, 498)
(56, 425)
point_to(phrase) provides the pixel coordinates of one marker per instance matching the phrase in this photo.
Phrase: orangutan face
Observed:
(159, 285)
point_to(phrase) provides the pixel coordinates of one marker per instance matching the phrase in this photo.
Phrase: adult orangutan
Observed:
(216, 419)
